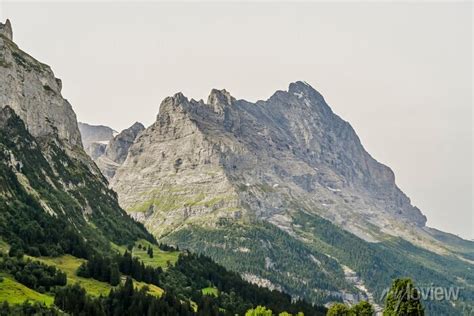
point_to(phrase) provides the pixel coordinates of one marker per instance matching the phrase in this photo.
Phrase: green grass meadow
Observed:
(16, 293)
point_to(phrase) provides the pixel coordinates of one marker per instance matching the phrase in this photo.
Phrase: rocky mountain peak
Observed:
(171, 104)
(219, 99)
(306, 95)
(30, 88)
(117, 149)
(300, 86)
(175, 100)
(6, 30)
(137, 126)
(108, 148)
(293, 138)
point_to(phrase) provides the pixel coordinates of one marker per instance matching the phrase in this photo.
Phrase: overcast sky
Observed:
(401, 74)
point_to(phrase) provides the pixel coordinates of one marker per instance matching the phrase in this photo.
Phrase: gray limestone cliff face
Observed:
(259, 161)
(30, 88)
(178, 172)
(117, 150)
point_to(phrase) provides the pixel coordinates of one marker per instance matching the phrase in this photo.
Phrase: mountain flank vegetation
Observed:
(223, 207)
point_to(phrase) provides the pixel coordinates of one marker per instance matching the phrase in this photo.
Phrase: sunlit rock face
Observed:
(228, 159)
(30, 88)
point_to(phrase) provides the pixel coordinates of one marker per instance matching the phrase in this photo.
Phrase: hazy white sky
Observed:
(401, 74)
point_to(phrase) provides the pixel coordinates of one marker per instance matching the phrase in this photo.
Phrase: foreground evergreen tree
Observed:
(150, 252)
(403, 299)
(114, 274)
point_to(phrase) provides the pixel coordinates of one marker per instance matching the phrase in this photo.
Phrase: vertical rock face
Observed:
(177, 170)
(117, 149)
(32, 91)
(258, 161)
(47, 181)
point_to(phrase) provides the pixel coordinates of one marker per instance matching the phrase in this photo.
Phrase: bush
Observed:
(16, 251)
(34, 252)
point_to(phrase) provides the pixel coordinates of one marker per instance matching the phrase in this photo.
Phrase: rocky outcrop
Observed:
(117, 149)
(6, 30)
(258, 161)
(30, 88)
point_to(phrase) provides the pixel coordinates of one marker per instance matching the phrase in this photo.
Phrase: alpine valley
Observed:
(66, 246)
(216, 208)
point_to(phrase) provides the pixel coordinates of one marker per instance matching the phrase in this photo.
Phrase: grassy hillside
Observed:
(160, 258)
(16, 293)
(196, 282)
(69, 265)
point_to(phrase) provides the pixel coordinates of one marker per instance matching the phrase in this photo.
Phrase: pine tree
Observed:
(114, 275)
(403, 299)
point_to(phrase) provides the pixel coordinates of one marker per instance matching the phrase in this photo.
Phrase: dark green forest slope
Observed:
(377, 263)
(51, 203)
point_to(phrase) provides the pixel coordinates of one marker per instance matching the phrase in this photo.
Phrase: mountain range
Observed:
(283, 192)
(279, 193)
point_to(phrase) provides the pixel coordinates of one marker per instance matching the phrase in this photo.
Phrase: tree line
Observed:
(186, 279)
(33, 274)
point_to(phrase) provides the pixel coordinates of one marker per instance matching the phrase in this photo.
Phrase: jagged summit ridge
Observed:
(292, 143)
(219, 99)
